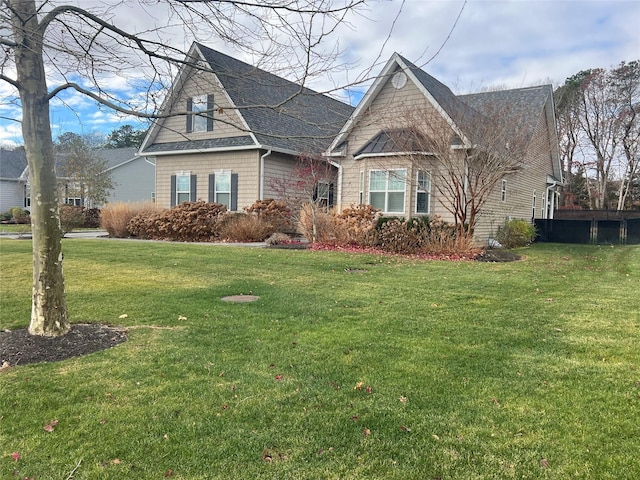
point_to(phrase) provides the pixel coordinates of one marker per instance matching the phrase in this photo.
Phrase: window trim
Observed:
(503, 191)
(361, 188)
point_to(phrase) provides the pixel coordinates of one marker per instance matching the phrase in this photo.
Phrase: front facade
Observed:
(382, 165)
(229, 130)
(232, 130)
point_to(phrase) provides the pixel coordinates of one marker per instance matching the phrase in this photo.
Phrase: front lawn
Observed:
(349, 366)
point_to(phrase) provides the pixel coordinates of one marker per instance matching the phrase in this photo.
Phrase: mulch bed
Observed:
(18, 347)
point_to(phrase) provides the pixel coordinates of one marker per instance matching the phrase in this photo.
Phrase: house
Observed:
(383, 162)
(228, 128)
(133, 177)
(13, 166)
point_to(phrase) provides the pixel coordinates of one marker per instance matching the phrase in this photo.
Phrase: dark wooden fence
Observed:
(602, 227)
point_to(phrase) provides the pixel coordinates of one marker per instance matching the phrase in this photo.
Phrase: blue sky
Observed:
(494, 43)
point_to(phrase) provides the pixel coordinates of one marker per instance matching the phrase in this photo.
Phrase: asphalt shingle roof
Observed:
(280, 113)
(226, 142)
(12, 163)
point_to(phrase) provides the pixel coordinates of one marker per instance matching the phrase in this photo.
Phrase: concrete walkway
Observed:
(103, 235)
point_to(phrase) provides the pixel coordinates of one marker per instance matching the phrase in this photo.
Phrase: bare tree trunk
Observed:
(49, 309)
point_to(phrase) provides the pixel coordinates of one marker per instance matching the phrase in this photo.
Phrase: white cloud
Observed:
(512, 43)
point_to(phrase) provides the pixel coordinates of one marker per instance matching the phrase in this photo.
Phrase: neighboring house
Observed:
(13, 166)
(134, 176)
(230, 129)
(377, 166)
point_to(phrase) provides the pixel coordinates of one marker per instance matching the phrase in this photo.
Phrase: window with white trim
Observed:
(183, 188)
(387, 190)
(423, 193)
(223, 189)
(503, 191)
(361, 188)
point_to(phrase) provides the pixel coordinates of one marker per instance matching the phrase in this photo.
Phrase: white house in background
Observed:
(13, 169)
(133, 176)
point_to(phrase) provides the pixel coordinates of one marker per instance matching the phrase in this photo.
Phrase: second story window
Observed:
(201, 120)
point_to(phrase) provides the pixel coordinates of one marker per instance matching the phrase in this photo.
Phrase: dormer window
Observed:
(201, 118)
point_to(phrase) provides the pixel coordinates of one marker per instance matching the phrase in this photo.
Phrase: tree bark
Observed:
(49, 315)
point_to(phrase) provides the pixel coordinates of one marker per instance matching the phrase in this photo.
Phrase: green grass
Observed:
(527, 370)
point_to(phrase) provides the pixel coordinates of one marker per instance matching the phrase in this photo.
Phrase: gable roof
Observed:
(465, 114)
(279, 114)
(456, 113)
(13, 163)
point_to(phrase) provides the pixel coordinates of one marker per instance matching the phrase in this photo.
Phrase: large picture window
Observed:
(423, 193)
(387, 190)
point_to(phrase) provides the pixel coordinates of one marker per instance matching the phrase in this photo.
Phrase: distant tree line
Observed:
(598, 115)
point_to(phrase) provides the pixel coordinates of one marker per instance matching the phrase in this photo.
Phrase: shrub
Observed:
(19, 215)
(242, 227)
(356, 225)
(91, 217)
(188, 222)
(443, 239)
(71, 217)
(116, 216)
(516, 233)
(324, 228)
(399, 236)
(275, 212)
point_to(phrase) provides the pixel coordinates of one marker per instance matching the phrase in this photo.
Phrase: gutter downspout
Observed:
(339, 183)
(550, 201)
(261, 184)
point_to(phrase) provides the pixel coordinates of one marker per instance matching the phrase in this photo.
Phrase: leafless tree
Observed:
(50, 47)
(598, 119)
(465, 166)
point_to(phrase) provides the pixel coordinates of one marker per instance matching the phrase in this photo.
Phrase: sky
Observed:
(469, 46)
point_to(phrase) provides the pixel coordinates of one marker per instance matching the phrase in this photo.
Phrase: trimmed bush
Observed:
(275, 212)
(399, 236)
(71, 217)
(516, 233)
(19, 215)
(356, 225)
(188, 222)
(91, 217)
(116, 216)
